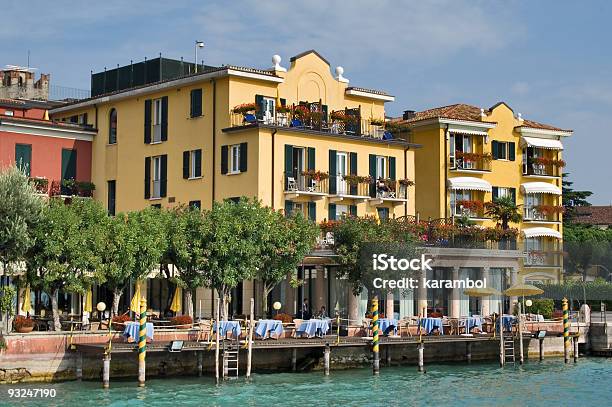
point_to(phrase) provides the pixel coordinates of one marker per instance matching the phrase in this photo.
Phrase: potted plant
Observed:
(406, 182)
(40, 184)
(244, 108)
(377, 122)
(284, 318)
(69, 187)
(85, 188)
(119, 321)
(301, 112)
(316, 175)
(181, 321)
(337, 115)
(283, 109)
(23, 325)
(549, 209)
(471, 205)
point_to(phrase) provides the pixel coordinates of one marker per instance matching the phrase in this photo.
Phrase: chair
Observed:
(249, 118)
(291, 184)
(297, 323)
(387, 136)
(296, 123)
(329, 237)
(313, 186)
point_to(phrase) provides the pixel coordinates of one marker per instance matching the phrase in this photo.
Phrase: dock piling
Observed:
(142, 343)
(421, 349)
(326, 358)
(79, 366)
(566, 338)
(388, 354)
(294, 359)
(106, 371)
(520, 333)
(502, 358)
(250, 338)
(541, 340)
(468, 352)
(375, 349)
(200, 364)
(217, 343)
(575, 349)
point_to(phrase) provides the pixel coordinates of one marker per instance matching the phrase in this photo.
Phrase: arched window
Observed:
(112, 127)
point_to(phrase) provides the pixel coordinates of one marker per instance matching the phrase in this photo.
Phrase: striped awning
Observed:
(540, 231)
(469, 183)
(540, 188)
(549, 144)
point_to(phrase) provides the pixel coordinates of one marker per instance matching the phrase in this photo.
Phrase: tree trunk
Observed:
(117, 292)
(266, 292)
(189, 302)
(57, 326)
(224, 293)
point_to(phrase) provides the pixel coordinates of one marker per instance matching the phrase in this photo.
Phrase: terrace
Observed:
(62, 188)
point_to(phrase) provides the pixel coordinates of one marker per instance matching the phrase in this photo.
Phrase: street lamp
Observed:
(198, 44)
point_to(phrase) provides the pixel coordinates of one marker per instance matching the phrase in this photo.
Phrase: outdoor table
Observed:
(268, 327)
(313, 327)
(386, 324)
(429, 324)
(471, 322)
(132, 330)
(228, 326)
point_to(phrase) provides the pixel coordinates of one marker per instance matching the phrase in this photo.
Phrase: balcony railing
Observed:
(355, 189)
(306, 184)
(543, 258)
(460, 210)
(546, 170)
(533, 214)
(390, 190)
(69, 187)
(477, 164)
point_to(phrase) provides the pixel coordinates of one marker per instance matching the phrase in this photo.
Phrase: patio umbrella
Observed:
(87, 306)
(523, 290)
(27, 300)
(135, 304)
(176, 300)
(481, 292)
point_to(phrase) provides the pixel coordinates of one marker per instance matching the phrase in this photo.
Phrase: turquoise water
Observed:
(548, 383)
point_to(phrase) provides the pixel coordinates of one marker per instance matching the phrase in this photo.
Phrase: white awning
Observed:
(476, 132)
(537, 232)
(540, 188)
(547, 143)
(469, 183)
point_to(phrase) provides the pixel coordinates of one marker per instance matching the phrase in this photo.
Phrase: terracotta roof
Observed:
(47, 123)
(459, 111)
(374, 91)
(594, 215)
(535, 125)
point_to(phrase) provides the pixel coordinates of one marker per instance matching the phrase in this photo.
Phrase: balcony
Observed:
(353, 187)
(310, 184)
(392, 191)
(542, 213)
(543, 167)
(314, 117)
(543, 258)
(473, 209)
(470, 162)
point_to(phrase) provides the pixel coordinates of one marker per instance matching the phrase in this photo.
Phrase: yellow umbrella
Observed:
(481, 292)
(87, 306)
(177, 301)
(26, 306)
(135, 304)
(523, 290)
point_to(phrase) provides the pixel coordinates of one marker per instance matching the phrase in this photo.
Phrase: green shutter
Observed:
(495, 150)
(392, 168)
(495, 193)
(283, 102)
(312, 211)
(163, 189)
(353, 171)
(224, 159)
(311, 158)
(69, 164)
(198, 163)
(331, 211)
(243, 157)
(259, 104)
(164, 119)
(512, 151)
(185, 164)
(353, 210)
(372, 165)
(147, 121)
(288, 163)
(23, 158)
(513, 194)
(196, 103)
(288, 207)
(325, 110)
(147, 178)
(333, 173)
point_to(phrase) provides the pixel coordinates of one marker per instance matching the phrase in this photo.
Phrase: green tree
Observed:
(234, 245)
(572, 199)
(188, 230)
(67, 254)
(286, 241)
(586, 246)
(504, 211)
(20, 212)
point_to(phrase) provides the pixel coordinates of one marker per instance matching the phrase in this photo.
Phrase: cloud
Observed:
(520, 88)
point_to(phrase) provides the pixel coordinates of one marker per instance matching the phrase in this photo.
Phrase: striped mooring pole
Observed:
(566, 338)
(142, 342)
(375, 350)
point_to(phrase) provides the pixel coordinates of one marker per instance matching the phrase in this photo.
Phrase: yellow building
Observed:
(470, 156)
(298, 139)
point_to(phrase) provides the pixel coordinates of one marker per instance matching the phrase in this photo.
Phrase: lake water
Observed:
(548, 383)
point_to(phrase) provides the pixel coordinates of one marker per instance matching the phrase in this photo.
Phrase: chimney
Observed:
(409, 114)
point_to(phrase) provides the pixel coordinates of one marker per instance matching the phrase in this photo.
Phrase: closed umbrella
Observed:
(26, 305)
(135, 304)
(87, 304)
(177, 302)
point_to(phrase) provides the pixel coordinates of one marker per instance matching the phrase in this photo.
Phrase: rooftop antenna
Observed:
(28, 59)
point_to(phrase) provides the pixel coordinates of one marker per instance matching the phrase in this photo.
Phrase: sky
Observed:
(549, 60)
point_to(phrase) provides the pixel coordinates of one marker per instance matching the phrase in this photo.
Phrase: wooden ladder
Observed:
(509, 348)
(231, 352)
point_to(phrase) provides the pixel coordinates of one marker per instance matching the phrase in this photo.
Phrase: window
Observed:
(23, 158)
(9, 113)
(342, 168)
(157, 120)
(111, 191)
(192, 164)
(503, 150)
(195, 204)
(156, 176)
(82, 119)
(196, 103)
(265, 108)
(457, 196)
(381, 167)
(156, 169)
(234, 159)
(383, 213)
(112, 127)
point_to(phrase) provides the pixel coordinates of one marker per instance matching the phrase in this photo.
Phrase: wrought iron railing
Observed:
(306, 183)
(533, 214)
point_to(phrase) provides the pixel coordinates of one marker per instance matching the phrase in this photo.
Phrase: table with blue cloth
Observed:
(471, 322)
(385, 325)
(228, 326)
(268, 327)
(313, 327)
(429, 324)
(508, 321)
(132, 330)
